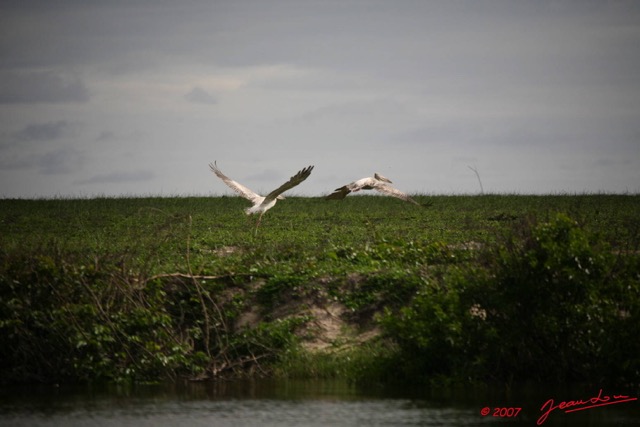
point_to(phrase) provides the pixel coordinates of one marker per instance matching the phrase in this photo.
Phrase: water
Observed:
(296, 403)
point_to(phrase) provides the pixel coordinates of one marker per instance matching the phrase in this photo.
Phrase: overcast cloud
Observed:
(137, 97)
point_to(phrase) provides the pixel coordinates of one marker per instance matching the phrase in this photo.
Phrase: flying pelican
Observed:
(375, 182)
(261, 203)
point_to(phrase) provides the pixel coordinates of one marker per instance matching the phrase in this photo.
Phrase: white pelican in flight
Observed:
(261, 203)
(375, 182)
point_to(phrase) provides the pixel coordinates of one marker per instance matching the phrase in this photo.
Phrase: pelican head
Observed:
(382, 178)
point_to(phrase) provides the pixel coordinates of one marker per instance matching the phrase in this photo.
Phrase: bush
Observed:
(548, 303)
(70, 322)
(65, 321)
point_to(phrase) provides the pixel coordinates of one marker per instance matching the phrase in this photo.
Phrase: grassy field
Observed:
(147, 288)
(158, 233)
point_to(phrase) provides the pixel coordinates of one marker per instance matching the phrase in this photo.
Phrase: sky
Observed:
(137, 97)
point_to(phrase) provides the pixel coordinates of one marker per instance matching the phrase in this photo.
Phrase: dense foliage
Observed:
(481, 288)
(548, 303)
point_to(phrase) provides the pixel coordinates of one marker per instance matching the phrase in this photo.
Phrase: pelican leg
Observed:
(255, 232)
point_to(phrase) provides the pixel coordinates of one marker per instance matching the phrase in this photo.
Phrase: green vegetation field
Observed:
(464, 288)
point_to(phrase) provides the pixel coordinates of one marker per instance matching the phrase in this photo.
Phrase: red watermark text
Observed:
(579, 405)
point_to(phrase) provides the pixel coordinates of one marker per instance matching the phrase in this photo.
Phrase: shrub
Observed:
(549, 303)
(62, 321)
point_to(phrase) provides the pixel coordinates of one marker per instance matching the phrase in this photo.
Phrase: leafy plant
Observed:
(546, 306)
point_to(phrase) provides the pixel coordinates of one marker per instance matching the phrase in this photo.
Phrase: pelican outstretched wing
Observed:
(235, 186)
(361, 184)
(391, 191)
(339, 193)
(377, 182)
(293, 181)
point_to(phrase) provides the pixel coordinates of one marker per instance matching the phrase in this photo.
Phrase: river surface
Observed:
(309, 403)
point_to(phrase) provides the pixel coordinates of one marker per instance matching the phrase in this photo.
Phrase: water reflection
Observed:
(289, 403)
